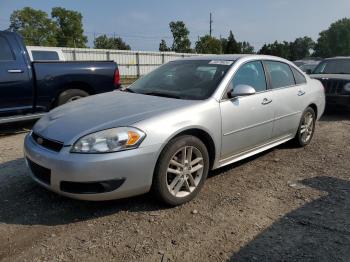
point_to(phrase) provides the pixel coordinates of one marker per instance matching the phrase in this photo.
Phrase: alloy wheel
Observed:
(307, 127)
(185, 171)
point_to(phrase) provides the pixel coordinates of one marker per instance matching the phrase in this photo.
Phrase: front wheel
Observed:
(306, 128)
(181, 170)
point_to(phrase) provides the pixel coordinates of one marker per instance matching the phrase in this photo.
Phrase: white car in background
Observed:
(43, 53)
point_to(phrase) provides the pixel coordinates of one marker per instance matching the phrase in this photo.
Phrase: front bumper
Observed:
(132, 168)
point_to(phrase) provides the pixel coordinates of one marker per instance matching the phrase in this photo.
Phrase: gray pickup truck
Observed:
(29, 89)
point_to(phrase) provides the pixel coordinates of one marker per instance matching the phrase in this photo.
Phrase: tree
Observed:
(104, 42)
(276, 49)
(245, 48)
(163, 46)
(208, 45)
(231, 46)
(301, 48)
(70, 31)
(181, 42)
(335, 41)
(35, 26)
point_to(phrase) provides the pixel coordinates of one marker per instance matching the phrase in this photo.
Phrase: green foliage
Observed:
(70, 31)
(208, 45)
(35, 27)
(276, 49)
(104, 42)
(181, 42)
(245, 48)
(163, 46)
(301, 47)
(64, 29)
(231, 46)
(335, 41)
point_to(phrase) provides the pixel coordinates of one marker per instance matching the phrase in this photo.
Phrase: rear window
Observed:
(5, 50)
(299, 78)
(334, 66)
(45, 55)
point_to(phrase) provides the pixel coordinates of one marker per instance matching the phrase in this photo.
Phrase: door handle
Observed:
(12, 71)
(301, 93)
(266, 101)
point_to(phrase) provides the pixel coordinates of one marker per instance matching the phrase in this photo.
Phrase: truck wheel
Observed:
(181, 170)
(71, 95)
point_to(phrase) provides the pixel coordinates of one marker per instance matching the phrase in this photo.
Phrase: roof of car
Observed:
(216, 57)
(233, 57)
(338, 57)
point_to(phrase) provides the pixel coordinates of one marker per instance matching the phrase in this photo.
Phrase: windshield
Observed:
(183, 79)
(334, 66)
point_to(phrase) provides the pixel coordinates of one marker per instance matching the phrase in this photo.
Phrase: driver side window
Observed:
(252, 74)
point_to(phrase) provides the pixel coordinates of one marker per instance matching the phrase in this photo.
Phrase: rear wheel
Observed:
(71, 95)
(181, 170)
(306, 128)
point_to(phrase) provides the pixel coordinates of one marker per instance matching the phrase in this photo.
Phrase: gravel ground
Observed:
(286, 204)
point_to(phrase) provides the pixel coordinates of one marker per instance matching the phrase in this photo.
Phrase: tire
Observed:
(164, 182)
(305, 131)
(70, 95)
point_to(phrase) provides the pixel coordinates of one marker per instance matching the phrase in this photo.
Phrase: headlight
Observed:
(109, 140)
(347, 87)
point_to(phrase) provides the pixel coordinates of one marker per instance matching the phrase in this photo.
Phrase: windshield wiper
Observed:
(162, 95)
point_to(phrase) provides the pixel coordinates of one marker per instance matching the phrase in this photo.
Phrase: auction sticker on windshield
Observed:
(220, 62)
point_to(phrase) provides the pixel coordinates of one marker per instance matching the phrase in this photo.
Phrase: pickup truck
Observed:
(29, 89)
(334, 73)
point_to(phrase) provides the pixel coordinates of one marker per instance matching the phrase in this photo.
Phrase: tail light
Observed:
(116, 79)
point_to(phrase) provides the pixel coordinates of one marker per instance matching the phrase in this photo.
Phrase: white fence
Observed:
(131, 63)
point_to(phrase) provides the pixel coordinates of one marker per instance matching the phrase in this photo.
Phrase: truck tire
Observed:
(71, 95)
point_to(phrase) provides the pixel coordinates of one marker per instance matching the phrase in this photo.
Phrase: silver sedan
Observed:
(166, 131)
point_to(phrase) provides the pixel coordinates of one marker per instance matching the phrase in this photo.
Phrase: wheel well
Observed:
(73, 85)
(206, 139)
(314, 107)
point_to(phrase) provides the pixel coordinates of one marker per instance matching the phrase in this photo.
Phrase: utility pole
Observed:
(210, 24)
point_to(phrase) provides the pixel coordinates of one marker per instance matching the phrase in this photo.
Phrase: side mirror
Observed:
(308, 71)
(241, 90)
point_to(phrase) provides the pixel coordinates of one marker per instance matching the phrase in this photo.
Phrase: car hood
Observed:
(69, 122)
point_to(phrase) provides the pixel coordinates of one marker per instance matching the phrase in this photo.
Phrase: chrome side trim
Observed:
(253, 151)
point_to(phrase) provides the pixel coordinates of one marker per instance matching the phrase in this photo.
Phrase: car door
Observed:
(287, 97)
(16, 90)
(247, 121)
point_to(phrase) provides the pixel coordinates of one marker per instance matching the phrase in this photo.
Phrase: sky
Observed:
(142, 24)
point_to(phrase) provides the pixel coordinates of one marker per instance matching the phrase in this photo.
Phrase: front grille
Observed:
(333, 86)
(96, 187)
(47, 143)
(43, 174)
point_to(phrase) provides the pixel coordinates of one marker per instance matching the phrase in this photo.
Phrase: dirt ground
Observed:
(287, 204)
